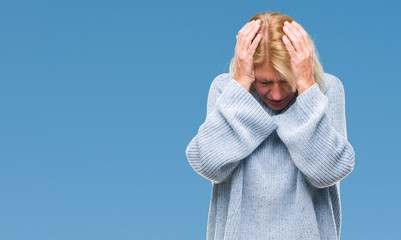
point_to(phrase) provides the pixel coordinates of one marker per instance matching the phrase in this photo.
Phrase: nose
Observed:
(276, 92)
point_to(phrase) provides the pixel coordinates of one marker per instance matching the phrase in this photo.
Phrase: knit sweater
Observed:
(275, 174)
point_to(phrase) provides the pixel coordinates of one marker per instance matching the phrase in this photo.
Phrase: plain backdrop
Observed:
(99, 99)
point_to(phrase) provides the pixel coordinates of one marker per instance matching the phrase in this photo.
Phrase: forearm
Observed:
(229, 134)
(322, 153)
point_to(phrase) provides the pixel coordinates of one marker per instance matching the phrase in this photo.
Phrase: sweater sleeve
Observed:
(317, 141)
(235, 125)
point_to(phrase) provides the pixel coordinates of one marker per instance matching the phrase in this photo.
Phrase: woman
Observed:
(274, 141)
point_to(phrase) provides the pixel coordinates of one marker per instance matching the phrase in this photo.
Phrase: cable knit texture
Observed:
(275, 174)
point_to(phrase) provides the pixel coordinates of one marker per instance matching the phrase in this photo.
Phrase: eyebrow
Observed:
(268, 80)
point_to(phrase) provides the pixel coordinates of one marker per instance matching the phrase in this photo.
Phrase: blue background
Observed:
(99, 99)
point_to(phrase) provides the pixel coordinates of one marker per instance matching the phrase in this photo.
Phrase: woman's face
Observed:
(272, 89)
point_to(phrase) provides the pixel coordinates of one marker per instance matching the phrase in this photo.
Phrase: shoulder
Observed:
(332, 85)
(220, 81)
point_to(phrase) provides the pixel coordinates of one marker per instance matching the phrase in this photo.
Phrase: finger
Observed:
(239, 36)
(305, 36)
(242, 33)
(297, 39)
(293, 37)
(297, 30)
(255, 43)
(313, 64)
(245, 34)
(249, 29)
(313, 69)
(248, 36)
(289, 36)
(245, 27)
(288, 45)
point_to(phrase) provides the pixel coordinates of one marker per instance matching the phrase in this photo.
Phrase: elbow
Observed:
(198, 163)
(212, 172)
(335, 174)
(213, 169)
(193, 157)
(223, 173)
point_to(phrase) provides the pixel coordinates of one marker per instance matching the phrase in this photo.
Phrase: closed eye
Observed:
(281, 82)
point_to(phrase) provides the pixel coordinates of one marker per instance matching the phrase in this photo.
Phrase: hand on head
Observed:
(244, 51)
(295, 39)
(300, 49)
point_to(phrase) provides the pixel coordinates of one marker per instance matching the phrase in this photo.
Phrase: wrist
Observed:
(245, 84)
(303, 87)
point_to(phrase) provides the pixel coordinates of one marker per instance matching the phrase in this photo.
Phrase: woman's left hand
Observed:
(300, 49)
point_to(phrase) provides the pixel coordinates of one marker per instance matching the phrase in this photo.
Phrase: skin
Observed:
(268, 82)
(272, 87)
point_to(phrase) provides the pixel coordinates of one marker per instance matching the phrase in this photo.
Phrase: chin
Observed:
(276, 107)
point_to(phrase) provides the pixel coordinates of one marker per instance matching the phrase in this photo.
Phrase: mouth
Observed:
(276, 102)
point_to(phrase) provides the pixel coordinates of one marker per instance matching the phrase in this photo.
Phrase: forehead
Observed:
(269, 78)
(266, 73)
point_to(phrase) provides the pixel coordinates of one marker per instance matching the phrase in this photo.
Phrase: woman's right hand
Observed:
(244, 51)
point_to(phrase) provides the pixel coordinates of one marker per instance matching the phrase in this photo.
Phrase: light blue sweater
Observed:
(274, 174)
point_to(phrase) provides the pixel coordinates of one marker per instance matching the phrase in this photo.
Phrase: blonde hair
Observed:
(271, 48)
